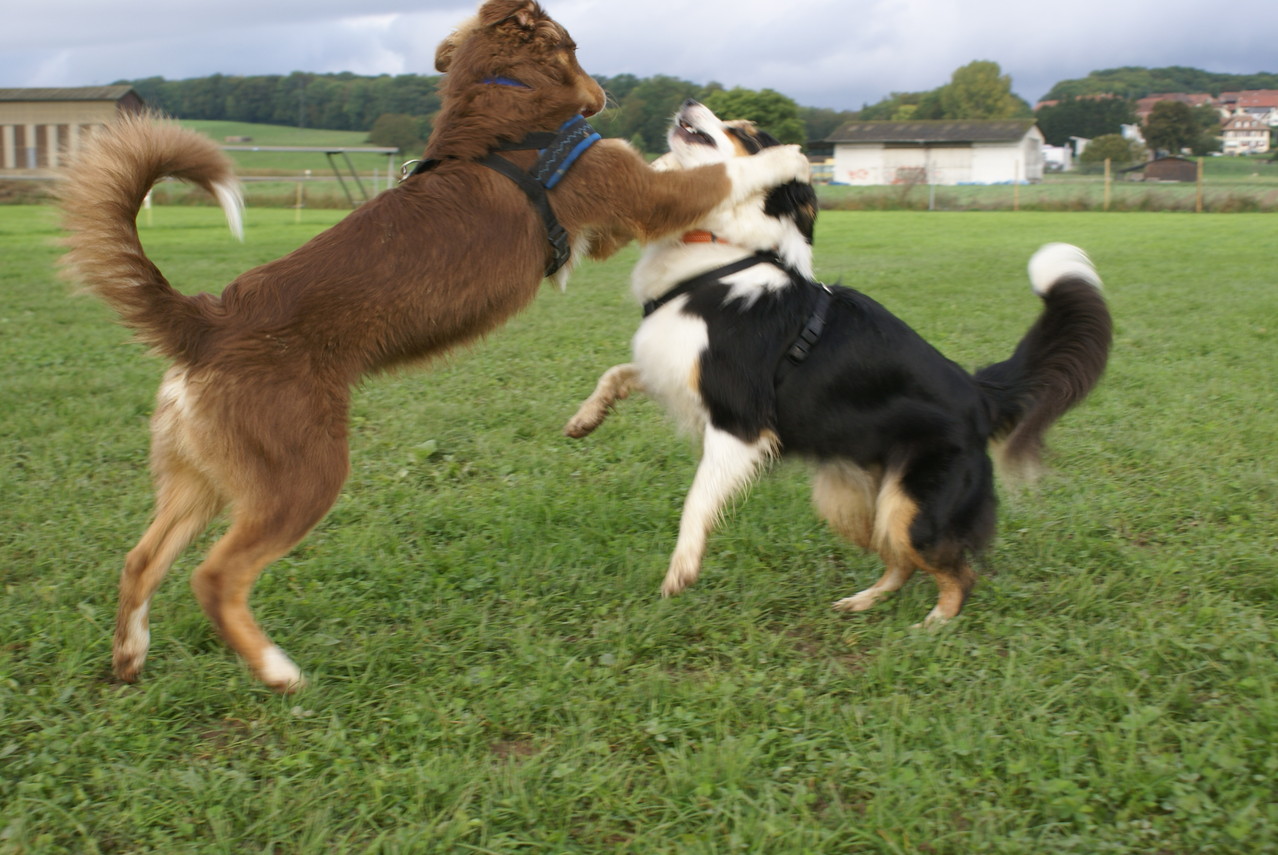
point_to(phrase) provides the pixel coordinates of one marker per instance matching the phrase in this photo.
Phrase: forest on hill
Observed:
(1133, 82)
(402, 106)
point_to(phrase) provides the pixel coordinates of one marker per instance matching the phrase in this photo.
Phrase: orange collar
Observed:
(701, 236)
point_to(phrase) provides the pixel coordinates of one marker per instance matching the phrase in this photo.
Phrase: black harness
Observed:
(812, 330)
(557, 153)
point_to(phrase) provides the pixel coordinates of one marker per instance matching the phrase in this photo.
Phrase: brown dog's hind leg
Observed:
(185, 503)
(281, 500)
(222, 584)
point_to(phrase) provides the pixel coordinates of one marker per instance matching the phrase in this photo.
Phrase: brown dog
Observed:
(252, 415)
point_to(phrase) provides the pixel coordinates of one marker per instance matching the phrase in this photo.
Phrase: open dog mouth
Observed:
(690, 134)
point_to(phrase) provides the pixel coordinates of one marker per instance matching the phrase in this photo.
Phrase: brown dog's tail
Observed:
(1057, 363)
(100, 198)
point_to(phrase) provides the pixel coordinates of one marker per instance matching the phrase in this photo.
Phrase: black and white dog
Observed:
(744, 348)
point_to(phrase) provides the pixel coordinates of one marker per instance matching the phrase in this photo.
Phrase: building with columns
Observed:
(38, 127)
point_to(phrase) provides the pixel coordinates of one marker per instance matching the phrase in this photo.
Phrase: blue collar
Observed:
(506, 81)
(574, 137)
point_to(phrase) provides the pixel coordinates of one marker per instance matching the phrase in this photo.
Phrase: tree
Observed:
(979, 90)
(905, 107)
(644, 116)
(1087, 117)
(1209, 137)
(770, 110)
(1137, 82)
(399, 130)
(820, 122)
(1112, 147)
(1171, 127)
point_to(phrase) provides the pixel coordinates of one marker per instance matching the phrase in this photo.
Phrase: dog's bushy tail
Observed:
(100, 196)
(1057, 363)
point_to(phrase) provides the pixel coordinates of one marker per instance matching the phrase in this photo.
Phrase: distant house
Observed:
(38, 126)
(1260, 104)
(1245, 134)
(934, 152)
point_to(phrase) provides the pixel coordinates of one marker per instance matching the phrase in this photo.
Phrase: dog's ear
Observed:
(750, 137)
(444, 53)
(522, 14)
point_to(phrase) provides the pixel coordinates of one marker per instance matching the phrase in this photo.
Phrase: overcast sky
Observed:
(822, 53)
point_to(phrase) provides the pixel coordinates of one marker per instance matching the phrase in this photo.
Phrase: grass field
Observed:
(493, 671)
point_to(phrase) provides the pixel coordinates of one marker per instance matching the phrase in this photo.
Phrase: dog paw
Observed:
(127, 668)
(679, 576)
(935, 620)
(587, 419)
(279, 673)
(858, 602)
(787, 163)
(770, 168)
(132, 640)
(800, 168)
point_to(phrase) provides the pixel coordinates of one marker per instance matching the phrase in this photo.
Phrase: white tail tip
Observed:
(1056, 261)
(231, 197)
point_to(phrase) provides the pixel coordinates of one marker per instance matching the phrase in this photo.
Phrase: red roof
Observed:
(1258, 98)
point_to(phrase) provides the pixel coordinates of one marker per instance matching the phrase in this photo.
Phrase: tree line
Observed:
(1134, 82)
(398, 109)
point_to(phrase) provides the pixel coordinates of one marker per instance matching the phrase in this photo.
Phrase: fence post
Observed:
(1107, 184)
(1198, 204)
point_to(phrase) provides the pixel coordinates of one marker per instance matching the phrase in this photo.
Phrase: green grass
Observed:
(283, 163)
(493, 671)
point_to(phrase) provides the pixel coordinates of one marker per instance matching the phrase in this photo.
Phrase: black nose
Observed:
(691, 102)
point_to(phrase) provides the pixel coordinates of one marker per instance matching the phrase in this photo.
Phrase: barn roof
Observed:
(74, 93)
(923, 132)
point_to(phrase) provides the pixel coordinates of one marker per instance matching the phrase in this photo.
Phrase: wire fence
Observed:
(1253, 192)
(1209, 193)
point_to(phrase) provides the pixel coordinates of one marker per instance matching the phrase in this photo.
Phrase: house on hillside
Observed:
(934, 152)
(1244, 134)
(1259, 104)
(38, 126)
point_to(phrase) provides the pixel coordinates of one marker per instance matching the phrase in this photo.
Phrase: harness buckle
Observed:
(558, 237)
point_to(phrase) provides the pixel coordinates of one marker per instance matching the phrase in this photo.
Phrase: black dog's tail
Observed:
(1058, 361)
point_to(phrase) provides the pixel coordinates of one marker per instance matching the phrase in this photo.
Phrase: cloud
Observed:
(831, 53)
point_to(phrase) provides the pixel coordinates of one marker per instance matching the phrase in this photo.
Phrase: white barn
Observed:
(936, 152)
